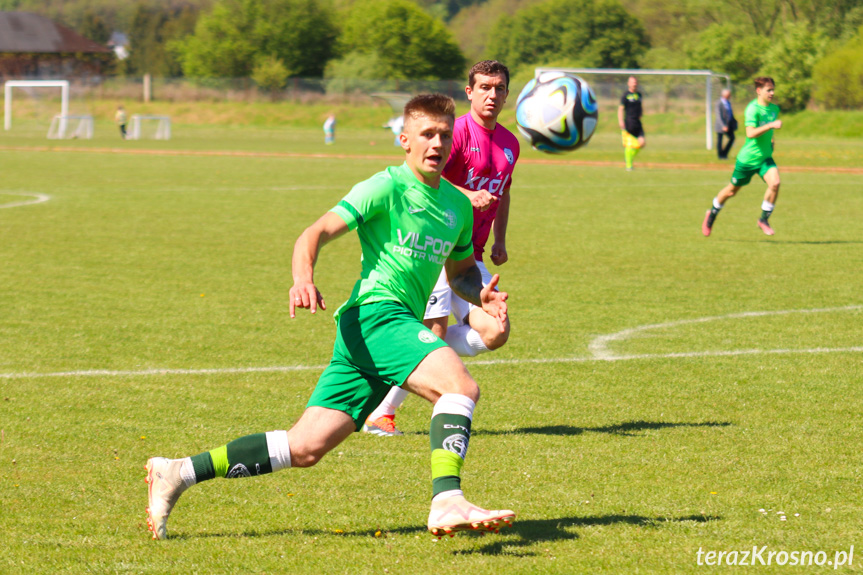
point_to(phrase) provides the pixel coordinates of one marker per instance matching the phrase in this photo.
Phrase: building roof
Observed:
(23, 32)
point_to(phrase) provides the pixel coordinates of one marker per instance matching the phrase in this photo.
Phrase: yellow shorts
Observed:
(629, 141)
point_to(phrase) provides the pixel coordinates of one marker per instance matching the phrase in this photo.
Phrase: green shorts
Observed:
(378, 345)
(744, 172)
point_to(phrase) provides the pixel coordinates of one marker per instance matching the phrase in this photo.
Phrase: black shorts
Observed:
(634, 128)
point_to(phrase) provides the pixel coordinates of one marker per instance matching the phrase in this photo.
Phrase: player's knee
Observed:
(467, 387)
(496, 339)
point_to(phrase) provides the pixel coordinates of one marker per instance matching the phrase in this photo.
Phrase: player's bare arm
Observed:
(304, 293)
(499, 255)
(479, 199)
(753, 132)
(465, 280)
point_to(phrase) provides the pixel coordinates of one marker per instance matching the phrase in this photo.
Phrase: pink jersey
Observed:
(481, 159)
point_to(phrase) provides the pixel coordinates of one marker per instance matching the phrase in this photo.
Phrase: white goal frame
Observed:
(7, 94)
(163, 129)
(60, 123)
(706, 74)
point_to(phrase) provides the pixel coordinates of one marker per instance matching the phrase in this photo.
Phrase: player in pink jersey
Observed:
(480, 164)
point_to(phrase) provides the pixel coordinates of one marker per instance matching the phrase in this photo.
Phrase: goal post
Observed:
(60, 127)
(7, 94)
(707, 75)
(162, 131)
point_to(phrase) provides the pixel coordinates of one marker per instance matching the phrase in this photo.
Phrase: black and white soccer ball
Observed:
(557, 112)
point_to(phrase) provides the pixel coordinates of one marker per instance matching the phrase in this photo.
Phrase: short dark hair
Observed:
(431, 106)
(762, 81)
(488, 68)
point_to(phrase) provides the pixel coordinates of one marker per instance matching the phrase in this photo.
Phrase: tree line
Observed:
(813, 48)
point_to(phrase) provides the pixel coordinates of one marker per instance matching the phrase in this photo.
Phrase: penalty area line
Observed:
(487, 362)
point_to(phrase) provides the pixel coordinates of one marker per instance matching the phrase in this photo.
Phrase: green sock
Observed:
(242, 457)
(449, 435)
(630, 155)
(765, 214)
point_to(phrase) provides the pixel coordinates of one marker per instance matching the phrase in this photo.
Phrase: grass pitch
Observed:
(662, 393)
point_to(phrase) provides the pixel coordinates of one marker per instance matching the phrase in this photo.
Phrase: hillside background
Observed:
(813, 48)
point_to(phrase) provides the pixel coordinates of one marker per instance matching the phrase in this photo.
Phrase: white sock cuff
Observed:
(474, 340)
(456, 404)
(187, 472)
(465, 341)
(280, 451)
(716, 204)
(767, 206)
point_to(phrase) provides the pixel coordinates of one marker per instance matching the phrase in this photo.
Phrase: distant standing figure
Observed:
(629, 118)
(330, 129)
(397, 125)
(120, 118)
(726, 124)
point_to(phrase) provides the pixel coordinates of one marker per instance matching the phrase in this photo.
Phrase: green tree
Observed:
(724, 48)
(790, 61)
(270, 74)
(230, 39)
(834, 18)
(95, 28)
(153, 27)
(591, 33)
(405, 41)
(838, 76)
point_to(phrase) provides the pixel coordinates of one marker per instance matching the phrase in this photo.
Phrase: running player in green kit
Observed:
(755, 157)
(411, 223)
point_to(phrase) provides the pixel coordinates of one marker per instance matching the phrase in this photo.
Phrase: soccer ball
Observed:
(557, 112)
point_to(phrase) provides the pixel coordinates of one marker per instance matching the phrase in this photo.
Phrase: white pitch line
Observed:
(37, 199)
(684, 354)
(599, 346)
(538, 360)
(598, 349)
(160, 371)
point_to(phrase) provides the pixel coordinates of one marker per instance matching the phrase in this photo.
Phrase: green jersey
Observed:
(756, 150)
(407, 231)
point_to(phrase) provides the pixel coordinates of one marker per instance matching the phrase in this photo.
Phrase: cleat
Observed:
(384, 426)
(706, 225)
(456, 513)
(166, 486)
(765, 227)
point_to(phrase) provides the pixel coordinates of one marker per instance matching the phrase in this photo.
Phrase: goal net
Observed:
(149, 127)
(682, 93)
(80, 126)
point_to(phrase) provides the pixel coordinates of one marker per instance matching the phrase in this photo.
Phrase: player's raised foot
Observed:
(765, 227)
(707, 224)
(456, 513)
(165, 487)
(385, 425)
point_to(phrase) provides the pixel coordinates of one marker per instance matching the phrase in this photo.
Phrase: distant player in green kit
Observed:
(756, 156)
(411, 223)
